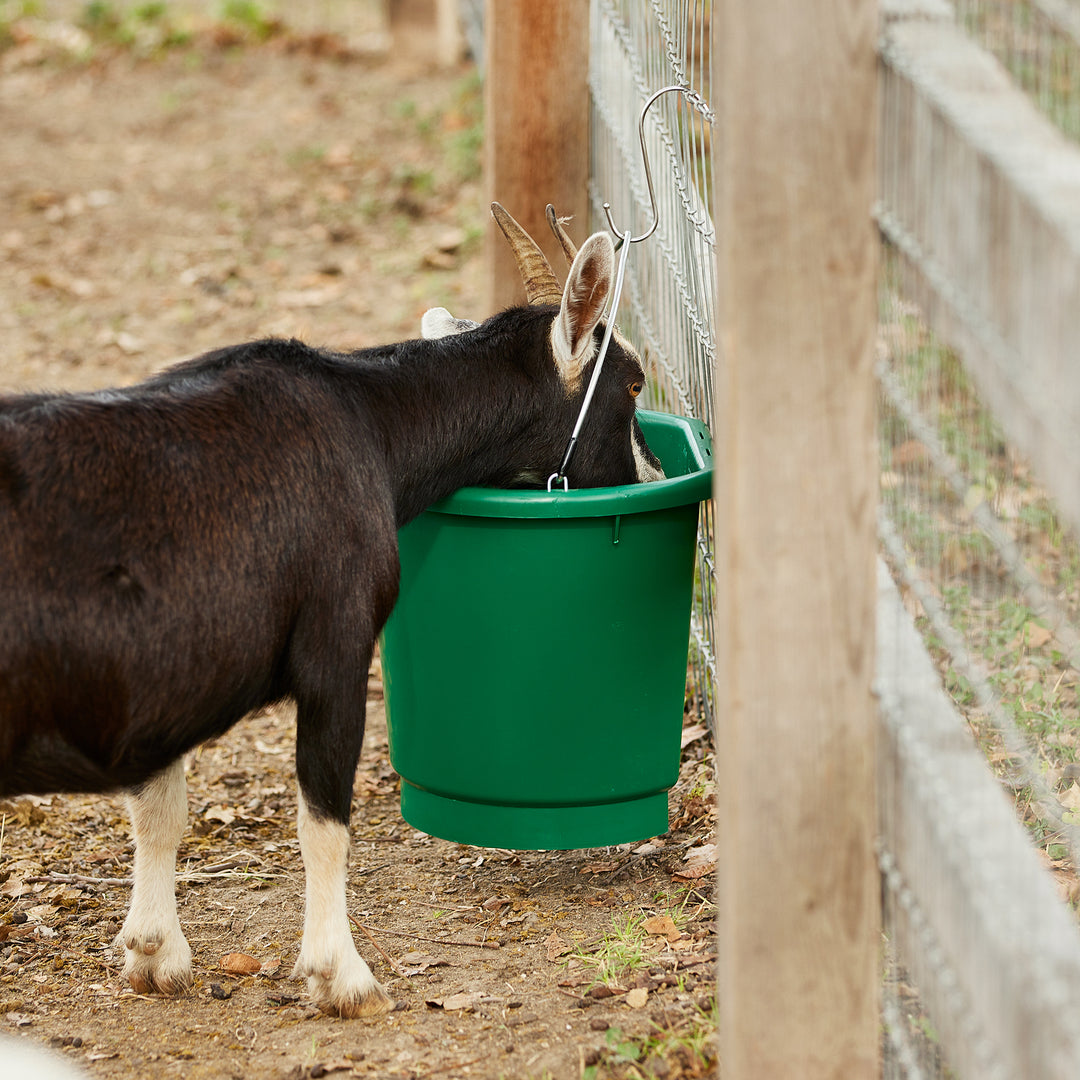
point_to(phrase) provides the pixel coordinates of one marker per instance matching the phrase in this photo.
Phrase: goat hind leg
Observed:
(157, 956)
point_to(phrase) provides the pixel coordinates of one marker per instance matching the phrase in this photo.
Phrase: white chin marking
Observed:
(646, 471)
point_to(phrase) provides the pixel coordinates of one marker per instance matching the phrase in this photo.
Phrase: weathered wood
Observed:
(794, 93)
(981, 195)
(537, 115)
(980, 906)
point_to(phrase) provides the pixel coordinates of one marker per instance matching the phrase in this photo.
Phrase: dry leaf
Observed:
(220, 813)
(19, 1019)
(637, 998)
(415, 963)
(599, 868)
(14, 888)
(662, 926)
(1071, 799)
(700, 862)
(555, 946)
(465, 1002)
(693, 733)
(238, 963)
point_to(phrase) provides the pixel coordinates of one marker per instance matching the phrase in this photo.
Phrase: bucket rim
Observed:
(686, 490)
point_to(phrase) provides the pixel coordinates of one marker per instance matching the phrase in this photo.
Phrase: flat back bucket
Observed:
(535, 663)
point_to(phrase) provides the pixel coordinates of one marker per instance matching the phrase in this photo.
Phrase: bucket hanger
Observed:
(625, 239)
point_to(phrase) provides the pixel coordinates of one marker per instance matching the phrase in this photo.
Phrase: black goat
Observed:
(223, 535)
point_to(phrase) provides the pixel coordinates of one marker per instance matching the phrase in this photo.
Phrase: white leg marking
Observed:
(156, 953)
(338, 979)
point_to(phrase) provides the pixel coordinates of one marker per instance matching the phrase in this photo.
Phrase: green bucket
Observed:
(535, 663)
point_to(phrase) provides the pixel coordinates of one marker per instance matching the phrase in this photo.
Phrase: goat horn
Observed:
(569, 250)
(541, 284)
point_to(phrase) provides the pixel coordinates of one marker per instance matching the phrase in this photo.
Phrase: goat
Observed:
(223, 535)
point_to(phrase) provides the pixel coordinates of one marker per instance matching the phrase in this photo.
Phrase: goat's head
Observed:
(611, 448)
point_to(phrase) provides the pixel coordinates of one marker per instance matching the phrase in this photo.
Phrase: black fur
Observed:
(223, 535)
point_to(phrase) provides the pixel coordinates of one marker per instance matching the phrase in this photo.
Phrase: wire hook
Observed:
(625, 239)
(624, 234)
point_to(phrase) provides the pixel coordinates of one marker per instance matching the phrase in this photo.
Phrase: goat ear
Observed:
(439, 323)
(583, 301)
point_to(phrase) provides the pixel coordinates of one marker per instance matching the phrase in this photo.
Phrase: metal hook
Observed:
(624, 234)
(624, 239)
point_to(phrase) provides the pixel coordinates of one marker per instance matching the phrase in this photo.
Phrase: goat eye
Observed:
(635, 389)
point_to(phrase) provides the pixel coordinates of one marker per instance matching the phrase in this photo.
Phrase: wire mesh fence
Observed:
(1038, 42)
(977, 196)
(637, 48)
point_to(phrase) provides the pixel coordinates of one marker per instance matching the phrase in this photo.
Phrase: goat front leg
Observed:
(338, 979)
(157, 956)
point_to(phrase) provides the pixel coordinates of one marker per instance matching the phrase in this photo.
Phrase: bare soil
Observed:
(157, 207)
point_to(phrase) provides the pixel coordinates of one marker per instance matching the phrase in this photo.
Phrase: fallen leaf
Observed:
(662, 926)
(555, 946)
(220, 813)
(415, 963)
(637, 998)
(599, 868)
(1071, 799)
(238, 963)
(693, 733)
(700, 862)
(19, 1019)
(464, 1002)
(576, 980)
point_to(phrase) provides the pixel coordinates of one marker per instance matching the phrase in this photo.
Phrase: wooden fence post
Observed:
(537, 126)
(794, 88)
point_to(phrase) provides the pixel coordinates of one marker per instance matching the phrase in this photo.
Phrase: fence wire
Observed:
(1039, 42)
(637, 47)
(986, 563)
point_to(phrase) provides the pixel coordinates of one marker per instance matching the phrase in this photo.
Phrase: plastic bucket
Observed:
(535, 663)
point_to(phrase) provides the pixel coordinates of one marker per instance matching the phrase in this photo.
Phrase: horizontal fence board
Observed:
(979, 905)
(980, 194)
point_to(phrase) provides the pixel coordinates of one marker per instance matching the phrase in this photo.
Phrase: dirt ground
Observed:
(156, 206)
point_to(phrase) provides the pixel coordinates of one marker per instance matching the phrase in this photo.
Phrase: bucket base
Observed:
(534, 828)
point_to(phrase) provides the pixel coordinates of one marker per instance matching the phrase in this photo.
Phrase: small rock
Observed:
(219, 992)
(450, 240)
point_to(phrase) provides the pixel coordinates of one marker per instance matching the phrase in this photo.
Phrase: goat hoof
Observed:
(373, 1002)
(168, 983)
(160, 964)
